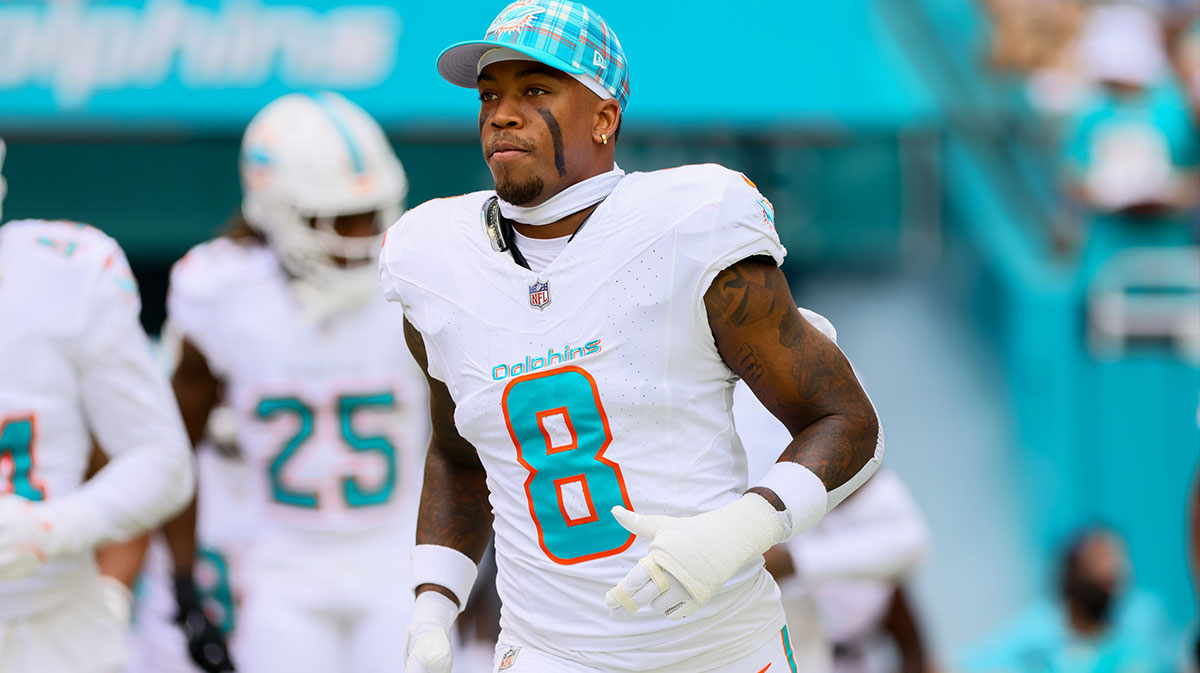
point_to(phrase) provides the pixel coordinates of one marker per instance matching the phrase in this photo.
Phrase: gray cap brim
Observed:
(459, 63)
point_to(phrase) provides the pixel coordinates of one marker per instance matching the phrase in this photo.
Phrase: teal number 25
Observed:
(17, 446)
(354, 493)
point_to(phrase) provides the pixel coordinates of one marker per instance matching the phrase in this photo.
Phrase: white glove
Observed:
(427, 639)
(692, 557)
(29, 537)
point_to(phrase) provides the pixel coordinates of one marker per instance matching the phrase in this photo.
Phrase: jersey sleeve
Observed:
(111, 304)
(402, 254)
(132, 413)
(391, 261)
(744, 227)
(193, 299)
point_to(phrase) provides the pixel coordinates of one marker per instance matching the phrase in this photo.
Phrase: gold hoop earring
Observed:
(603, 139)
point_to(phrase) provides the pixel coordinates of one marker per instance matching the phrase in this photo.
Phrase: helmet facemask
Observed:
(328, 271)
(307, 160)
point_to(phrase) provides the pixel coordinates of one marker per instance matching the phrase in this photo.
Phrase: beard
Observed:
(518, 192)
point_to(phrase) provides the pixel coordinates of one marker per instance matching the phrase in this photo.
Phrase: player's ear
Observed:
(608, 120)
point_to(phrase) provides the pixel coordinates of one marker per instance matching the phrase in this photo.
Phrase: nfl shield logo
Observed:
(539, 294)
(509, 658)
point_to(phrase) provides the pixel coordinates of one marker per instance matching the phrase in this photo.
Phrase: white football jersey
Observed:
(225, 528)
(74, 362)
(332, 418)
(592, 384)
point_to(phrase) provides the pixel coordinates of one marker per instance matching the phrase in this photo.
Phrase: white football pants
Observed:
(775, 656)
(325, 608)
(86, 636)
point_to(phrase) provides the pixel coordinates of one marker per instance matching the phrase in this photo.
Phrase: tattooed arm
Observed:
(806, 382)
(794, 370)
(454, 509)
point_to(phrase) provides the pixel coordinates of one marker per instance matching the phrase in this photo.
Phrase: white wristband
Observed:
(445, 567)
(803, 494)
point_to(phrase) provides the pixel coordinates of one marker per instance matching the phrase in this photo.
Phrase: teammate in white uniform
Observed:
(839, 578)
(332, 411)
(582, 371)
(74, 362)
(225, 528)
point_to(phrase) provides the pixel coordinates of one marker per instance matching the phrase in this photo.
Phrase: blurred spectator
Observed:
(1038, 39)
(1131, 154)
(1028, 35)
(1096, 624)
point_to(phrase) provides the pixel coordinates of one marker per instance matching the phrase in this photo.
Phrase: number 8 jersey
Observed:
(592, 384)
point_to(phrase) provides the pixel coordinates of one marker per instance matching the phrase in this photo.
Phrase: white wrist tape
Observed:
(802, 492)
(445, 567)
(434, 608)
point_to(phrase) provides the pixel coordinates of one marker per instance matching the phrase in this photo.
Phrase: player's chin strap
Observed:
(571, 200)
(500, 230)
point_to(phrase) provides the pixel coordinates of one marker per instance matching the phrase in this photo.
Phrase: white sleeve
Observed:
(190, 304)
(744, 227)
(398, 249)
(132, 412)
(880, 535)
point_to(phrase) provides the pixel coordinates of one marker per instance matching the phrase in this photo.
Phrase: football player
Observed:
(224, 529)
(331, 411)
(74, 362)
(581, 347)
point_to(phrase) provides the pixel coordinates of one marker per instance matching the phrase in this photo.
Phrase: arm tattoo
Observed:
(454, 510)
(798, 374)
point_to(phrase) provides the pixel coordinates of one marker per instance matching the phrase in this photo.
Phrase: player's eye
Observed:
(536, 91)
(486, 96)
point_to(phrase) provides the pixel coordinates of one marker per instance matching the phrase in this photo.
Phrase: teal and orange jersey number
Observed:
(574, 460)
(354, 493)
(213, 583)
(276, 406)
(18, 456)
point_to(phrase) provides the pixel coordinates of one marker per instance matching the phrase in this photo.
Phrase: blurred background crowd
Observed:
(994, 201)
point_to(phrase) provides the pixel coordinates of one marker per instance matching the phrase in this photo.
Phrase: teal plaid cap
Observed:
(563, 35)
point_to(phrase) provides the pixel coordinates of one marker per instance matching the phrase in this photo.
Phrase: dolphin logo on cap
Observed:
(517, 17)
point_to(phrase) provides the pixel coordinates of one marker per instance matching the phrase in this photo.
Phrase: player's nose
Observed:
(507, 113)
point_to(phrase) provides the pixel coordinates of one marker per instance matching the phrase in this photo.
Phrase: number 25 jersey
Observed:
(332, 418)
(591, 384)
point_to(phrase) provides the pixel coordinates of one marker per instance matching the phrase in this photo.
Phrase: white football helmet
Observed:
(305, 160)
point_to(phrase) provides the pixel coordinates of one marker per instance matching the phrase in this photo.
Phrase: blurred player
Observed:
(840, 579)
(582, 330)
(331, 411)
(225, 526)
(74, 361)
(847, 572)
